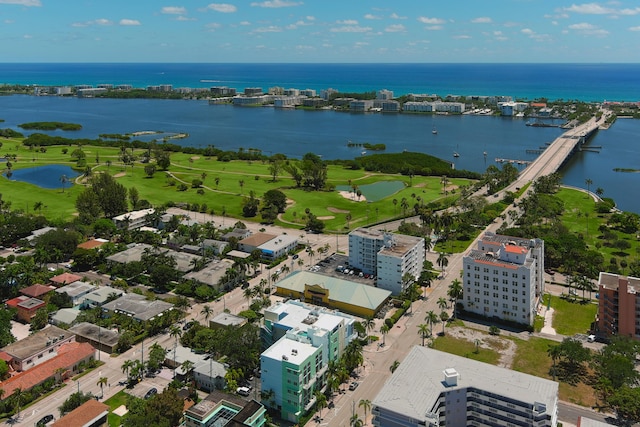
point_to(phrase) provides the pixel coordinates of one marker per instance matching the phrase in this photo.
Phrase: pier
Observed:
(513, 161)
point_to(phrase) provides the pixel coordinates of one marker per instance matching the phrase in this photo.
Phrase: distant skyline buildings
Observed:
(503, 31)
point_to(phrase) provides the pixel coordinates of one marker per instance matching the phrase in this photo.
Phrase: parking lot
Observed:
(337, 266)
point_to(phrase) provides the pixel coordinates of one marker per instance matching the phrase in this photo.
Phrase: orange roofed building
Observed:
(90, 414)
(503, 278)
(65, 364)
(64, 279)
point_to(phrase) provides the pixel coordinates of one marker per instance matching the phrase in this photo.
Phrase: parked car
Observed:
(354, 385)
(243, 391)
(152, 392)
(44, 420)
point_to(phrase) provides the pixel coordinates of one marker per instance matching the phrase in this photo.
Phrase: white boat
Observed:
(455, 154)
(434, 131)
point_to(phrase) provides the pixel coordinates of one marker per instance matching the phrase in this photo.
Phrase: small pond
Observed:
(49, 176)
(376, 191)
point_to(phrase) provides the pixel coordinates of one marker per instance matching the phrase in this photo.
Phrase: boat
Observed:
(434, 131)
(455, 154)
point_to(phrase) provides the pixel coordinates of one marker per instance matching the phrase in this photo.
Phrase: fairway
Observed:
(225, 186)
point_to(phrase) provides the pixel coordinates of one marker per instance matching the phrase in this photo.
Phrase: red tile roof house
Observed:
(92, 244)
(91, 413)
(62, 366)
(26, 307)
(64, 279)
(37, 290)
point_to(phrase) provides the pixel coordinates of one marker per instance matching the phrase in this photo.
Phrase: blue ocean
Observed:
(585, 82)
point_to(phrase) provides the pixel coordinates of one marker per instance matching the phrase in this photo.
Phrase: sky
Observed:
(307, 31)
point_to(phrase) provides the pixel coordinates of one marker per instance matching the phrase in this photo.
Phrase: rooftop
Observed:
(297, 315)
(31, 303)
(257, 239)
(92, 244)
(134, 253)
(68, 355)
(36, 290)
(213, 400)
(339, 289)
(138, 307)
(368, 233)
(131, 216)
(400, 245)
(65, 278)
(289, 350)
(102, 294)
(612, 281)
(211, 273)
(77, 289)
(36, 342)
(95, 333)
(416, 385)
(84, 415)
(278, 242)
(228, 319)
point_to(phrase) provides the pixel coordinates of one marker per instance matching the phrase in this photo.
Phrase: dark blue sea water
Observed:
(587, 82)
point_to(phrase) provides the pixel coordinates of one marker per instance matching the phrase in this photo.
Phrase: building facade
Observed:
(619, 305)
(431, 388)
(503, 278)
(388, 256)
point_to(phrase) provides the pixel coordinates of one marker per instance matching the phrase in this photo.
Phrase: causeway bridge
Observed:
(559, 151)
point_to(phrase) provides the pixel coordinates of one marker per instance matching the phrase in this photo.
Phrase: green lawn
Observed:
(235, 180)
(115, 402)
(464, 348)
(572, 317)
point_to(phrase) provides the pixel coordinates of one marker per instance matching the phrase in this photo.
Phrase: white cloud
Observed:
(371, 16)
(129, 22)
(634, 28)
(222, 7)
(596, 9)
(27, 3)
(431, 21)
(173, 10)
(276, 4)
(557, 16)
(582, 26)
(396, 28)
(245, 23)
(311, 18)
(27, 36)
(269, 29)
(297, 24)
(351, 29)
(101, 22)
(588, 29)
(8, 21)
(396, 16)
(527, 31)
(461, 37)
(212, 26)
(361, 44)
(434, 27)
(348, 22)
(482, 20)
(535, 36)
(184, 18)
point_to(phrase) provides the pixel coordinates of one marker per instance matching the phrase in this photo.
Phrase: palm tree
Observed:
(442, 303)
(355, 421)
(17, 392)
(365, 404)
(369, 324)
(248, 294)
(207, 311)
(321, 401)
(442, 260)
(384, 330)
(395, 203)
(444, 316)
(127, 366)
(588, 182)
(175, 332)
(455, 293)
(554, 351)
(599, 192)
(187, 367)
(394, 366)
(101, 382)
(432, 318)
(241, 183)
(423, 330)
(63, 181)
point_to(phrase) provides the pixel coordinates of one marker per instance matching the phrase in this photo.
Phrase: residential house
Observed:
(90, 414)
(137, 307)
(37, 347)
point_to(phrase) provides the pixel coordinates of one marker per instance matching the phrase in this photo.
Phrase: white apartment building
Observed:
(503, 278)
(431, 388)
(386, 255)
(134, 219)
(384, 94)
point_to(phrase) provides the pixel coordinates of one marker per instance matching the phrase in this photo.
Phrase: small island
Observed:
(50, 126)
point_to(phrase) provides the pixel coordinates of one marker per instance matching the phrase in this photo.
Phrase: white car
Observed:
(243, 391)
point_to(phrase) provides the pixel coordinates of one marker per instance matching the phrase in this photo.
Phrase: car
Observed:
(189, 325)
(295, 256)
(591, 338)
(354, 385)
(243, 391)
(152, 392)
(44, 420)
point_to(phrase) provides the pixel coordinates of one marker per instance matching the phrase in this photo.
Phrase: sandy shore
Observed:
(352, 196)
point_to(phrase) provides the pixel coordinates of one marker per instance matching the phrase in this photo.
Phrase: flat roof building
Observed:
(503, 278)
(37, 347)
(432, 388)
(211, 273)
(100, 338)
(138, 307)
(619, 305)
(334, 293)
(222, 409)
